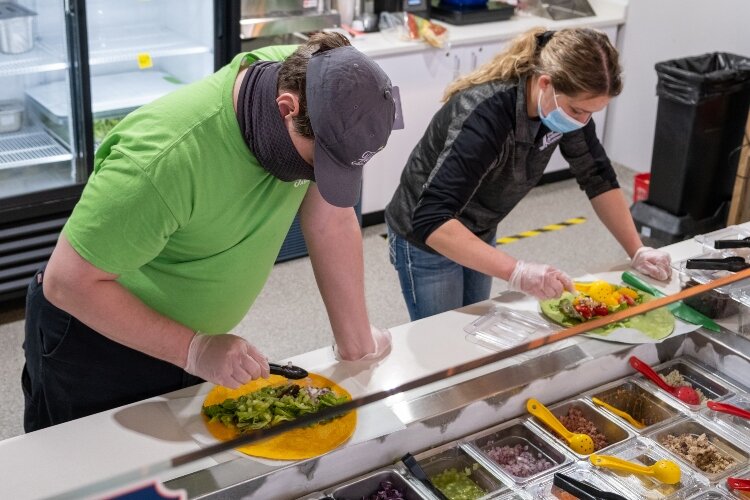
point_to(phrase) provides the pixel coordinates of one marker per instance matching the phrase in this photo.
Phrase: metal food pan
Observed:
(363, 487)
(699, 378)
(646, 452)
(729, 423)
(516, 433)
(614, 432)
(440, 459)
(544, 489)
(725, 446)
(633, 398)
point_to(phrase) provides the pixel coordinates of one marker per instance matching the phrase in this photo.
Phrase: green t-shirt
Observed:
(181, 209)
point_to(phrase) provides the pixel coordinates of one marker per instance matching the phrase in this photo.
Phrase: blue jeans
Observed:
(431, 283)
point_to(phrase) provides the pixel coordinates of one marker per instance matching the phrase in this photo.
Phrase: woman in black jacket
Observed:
(483, 152)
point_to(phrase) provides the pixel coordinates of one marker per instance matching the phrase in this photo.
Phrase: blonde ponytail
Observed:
(518, 59)
(578, 60)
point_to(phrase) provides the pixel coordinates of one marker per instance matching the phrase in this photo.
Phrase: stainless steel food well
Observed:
(646, 452)
(516, 432)
(453, 456)
(641, 403)
(723, 443)
(697, 376)
(733, 425)
(363, 487)
(613, 431)
(581, 471)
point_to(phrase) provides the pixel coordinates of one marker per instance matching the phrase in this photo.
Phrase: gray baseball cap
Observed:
(351, 109)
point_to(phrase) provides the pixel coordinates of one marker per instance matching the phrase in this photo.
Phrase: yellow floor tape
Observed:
(546, 229)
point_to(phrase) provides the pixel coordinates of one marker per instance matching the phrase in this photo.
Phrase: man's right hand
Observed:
(225, 359)
(540, 280)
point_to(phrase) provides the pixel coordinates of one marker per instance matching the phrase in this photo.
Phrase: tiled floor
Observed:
(289, 318)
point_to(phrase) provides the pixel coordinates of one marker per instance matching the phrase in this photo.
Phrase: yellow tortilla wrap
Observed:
(297, 444)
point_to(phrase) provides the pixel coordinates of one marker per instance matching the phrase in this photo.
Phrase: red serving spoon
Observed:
(683, 393)
(730, 409)
(736, 483)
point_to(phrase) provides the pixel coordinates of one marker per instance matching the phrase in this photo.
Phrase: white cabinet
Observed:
(422, 78)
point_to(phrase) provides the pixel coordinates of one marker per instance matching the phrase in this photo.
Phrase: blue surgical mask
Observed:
(557, 120)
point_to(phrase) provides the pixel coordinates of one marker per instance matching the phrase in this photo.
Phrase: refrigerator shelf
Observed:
(126, 42)
(37, 60)
(30, 146)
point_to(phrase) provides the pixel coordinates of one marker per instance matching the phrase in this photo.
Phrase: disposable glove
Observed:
(652, 262)
(540, 280)
(225, 359)
(382, 340)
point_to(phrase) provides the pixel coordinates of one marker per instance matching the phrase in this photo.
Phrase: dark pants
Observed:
(72, 371)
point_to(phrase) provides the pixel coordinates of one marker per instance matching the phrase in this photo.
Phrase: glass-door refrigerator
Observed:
(69, 71)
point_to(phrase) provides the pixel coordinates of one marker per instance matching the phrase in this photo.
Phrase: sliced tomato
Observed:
(601, 310)
(628, 300)
(584, 311)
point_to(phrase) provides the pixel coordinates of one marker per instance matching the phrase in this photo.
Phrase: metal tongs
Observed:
(289, 371)
(582, 490)
(732, 264)
(743, 243)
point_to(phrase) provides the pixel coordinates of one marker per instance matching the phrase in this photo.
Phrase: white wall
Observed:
(658, 30)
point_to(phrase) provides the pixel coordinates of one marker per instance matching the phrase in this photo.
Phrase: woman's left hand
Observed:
(653, 262)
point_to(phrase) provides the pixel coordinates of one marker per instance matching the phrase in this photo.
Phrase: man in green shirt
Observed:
(182, 220)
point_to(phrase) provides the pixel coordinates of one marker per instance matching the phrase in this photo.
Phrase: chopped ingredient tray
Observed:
(646, 452)
(632, 398)
(519, 451)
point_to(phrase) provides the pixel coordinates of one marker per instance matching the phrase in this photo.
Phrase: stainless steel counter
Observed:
(450, 413)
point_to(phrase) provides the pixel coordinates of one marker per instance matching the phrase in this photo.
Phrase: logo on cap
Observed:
(365, 158)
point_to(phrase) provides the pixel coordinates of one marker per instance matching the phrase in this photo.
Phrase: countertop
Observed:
(73, 454)
(608, 13)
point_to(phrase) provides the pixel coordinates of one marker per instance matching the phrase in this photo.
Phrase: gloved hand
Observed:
(652, 262)
(382, 340)
(225, 359)
(540, 280)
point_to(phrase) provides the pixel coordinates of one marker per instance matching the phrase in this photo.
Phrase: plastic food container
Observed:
(743, 495)
(368, 485)
(724, 446)
(641, 404)
(583, 471)
(727, 233)
(717, 303)
(11, 116)
(712, 494)
(697, 377)
(646, 452)
(518, 436)
(612, 431)
(16, 28)
(503, 328)
(440, 460)
(729, 423)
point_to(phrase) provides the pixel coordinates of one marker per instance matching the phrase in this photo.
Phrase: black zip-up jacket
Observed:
(480, 155)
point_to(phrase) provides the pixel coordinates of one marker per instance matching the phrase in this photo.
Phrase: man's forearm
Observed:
(110, 309)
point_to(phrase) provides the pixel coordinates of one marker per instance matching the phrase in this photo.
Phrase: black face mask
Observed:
(263, 127)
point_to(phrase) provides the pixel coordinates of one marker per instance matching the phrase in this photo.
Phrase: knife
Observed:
(679, 309)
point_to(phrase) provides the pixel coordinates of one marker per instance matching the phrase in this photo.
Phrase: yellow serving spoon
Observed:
(665, 471)
(619, 413)
(580, 443)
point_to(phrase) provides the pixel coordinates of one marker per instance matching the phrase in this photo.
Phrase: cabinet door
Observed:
(421, 78)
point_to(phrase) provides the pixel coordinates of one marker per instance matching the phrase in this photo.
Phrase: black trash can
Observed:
(703, 105)
(700, 123)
